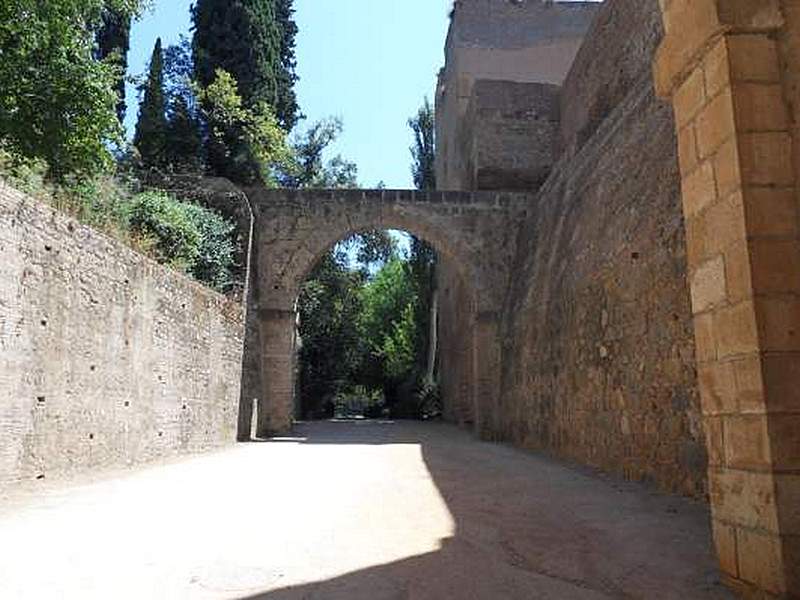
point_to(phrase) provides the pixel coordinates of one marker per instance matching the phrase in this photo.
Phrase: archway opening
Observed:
(367, 330)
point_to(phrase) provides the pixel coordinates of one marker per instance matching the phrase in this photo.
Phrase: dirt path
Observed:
(355, 511)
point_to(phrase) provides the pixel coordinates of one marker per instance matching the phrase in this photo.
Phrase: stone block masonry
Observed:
(106, 358)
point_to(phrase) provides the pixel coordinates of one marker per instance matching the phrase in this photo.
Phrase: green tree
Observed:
(331, 350)
(113, 44)
(387, 325)
(246, 39)
(423, 151)
(286, 107)
(422, 259)
(150, 138)
(58, 102)
(185, 152)
(184, 147)
(253, 141)
(307, 168)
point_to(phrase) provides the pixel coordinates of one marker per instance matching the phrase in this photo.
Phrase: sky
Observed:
(369, 62)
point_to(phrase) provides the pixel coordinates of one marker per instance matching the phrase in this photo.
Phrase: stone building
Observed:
(492, 134)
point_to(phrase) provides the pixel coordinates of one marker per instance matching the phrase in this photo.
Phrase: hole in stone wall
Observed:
(44, 322)
(48, 248)
(91, 436)
(40, 477)
(127, 403)
(93, 368)
(40, 399)
(635, 255)
(160, 434)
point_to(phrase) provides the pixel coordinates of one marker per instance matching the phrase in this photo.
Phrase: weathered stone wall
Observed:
(456, 352)
(615, 56)
(509, 135)
(106, 358)
(596, 337)
(531, 42)
(598, 348)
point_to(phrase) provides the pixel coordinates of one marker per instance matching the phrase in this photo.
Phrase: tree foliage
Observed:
(151, 135)
(286, 107)
(186, 127)
(307, 167)
(113, 43)
(184, 236)
(423, 151)
(57, 102)
(250, 137)
(422, 256)
(386, 323)
(331, 350)
(252, 41)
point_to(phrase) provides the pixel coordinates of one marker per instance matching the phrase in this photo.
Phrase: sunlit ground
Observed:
(247, 520)
(358, 510)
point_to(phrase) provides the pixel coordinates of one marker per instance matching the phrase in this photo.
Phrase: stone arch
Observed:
(474, 231)
(443, 243)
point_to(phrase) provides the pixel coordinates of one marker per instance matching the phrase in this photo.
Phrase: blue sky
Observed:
(369, 62)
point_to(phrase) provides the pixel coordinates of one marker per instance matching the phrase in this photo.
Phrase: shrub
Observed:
(183, 235)
(167, 229)
(215, 258)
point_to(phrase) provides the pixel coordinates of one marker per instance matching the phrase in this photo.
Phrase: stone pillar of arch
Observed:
(731, 69)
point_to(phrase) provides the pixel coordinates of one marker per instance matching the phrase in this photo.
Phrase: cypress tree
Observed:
(286, 108)
(114, 39)
(184, 150)
(423, 152)
(151, 129)
(242, 37)
(253, 40)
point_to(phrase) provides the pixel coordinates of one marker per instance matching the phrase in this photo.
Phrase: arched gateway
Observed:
(475, 232)
(730, 68)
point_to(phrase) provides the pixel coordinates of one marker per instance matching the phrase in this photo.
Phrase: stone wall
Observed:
(509, 135)
(615, 56)
(106, 358)
(456, 352)
(599, 360)
(597, 349)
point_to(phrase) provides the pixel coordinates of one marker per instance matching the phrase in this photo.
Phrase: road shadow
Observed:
(526, 527)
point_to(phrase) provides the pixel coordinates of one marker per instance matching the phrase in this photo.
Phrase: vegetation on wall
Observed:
(61, 105)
